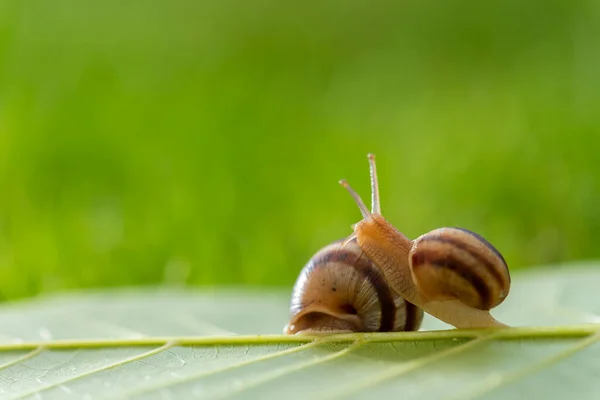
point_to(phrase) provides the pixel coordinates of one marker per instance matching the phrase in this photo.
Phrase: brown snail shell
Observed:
(341, 290)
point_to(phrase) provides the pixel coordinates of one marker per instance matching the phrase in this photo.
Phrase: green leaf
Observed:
(227, 343)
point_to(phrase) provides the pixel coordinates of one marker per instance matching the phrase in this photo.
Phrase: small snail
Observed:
(451, 273)
(341, 290)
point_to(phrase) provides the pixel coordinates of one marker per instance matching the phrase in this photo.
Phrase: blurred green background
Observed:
(201, 142)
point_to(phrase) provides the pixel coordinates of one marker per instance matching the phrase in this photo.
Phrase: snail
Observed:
(341, 290)
(452, 274)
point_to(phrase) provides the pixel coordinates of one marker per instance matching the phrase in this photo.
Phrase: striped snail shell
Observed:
(451, 263)
(341, 290)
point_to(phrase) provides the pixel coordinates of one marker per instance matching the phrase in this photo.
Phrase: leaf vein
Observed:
(533, 332)
(265, 378)
(137, 357)
(405, 368)
(23, 358)
(203, 374)
(503, 379)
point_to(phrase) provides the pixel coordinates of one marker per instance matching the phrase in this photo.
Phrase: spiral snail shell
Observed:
(451, 273)
(341, 290)
(451, 263)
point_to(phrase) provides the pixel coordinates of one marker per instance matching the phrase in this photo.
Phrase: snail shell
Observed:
(451, 263)
(341, 290)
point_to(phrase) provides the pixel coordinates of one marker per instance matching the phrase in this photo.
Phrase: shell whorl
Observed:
(340, 289)
(458, 263)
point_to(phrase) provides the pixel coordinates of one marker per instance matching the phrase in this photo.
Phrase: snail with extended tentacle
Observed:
(451, 273)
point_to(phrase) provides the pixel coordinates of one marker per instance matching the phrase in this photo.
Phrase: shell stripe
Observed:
(498, 276)
(412, 311)
(364, 267)
(420, 258)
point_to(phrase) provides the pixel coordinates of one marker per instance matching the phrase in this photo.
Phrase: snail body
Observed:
(341, 290)
(453, 274)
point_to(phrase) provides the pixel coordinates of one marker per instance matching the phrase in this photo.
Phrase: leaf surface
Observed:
(227, 343)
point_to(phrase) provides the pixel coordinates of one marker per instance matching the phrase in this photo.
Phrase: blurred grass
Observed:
(201, 142)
